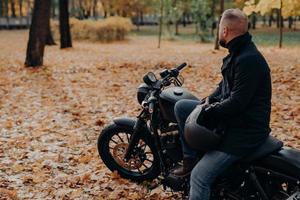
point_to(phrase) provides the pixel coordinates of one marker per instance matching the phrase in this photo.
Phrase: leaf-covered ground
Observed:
(50, 117)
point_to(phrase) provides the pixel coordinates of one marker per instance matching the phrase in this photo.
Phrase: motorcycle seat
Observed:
(269, 146)
(287, 161)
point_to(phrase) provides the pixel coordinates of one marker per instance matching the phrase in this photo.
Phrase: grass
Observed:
(262, 35)
(265, 36)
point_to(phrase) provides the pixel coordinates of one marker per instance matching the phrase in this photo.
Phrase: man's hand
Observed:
(205, 102)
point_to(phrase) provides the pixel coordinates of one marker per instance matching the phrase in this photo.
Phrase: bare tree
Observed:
(38, 33)
(64, 26)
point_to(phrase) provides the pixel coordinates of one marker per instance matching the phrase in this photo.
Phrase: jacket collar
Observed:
(234, 46)
(238, 42)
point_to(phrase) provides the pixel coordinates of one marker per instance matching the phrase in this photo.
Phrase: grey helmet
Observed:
(198, 136)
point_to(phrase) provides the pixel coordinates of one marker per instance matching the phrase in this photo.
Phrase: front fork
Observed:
(134, 138)
(138, 128)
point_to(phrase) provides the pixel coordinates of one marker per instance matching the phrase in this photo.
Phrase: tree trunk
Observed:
(13, 8)
(142, 18)
(73, 8)
(95, 14)
(253, 21)
(160, 22)
(28, 13)
(280, 29)
(177, 27)
(264, 20)
(5, 8)
(1, 8)
(64, 26)
(38, 33)
(217, 46)
(21, 8)
(278, 18)
(271, 19)
(184, 19)
(213, 8)
(290, 20)
(50, 41)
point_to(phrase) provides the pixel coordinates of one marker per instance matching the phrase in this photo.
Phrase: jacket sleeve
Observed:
(246, 80)
(214, 96)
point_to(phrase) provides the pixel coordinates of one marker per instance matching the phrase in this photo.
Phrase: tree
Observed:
(50, 41)
(284, 9)
(21, 8)
(13, 8)
(5, 8)
(160, 21)
(1, 8)
(217, 46)
(38, 33)
(64, 26)
(95, 2)
(289, 7)
(173, 11)
(202, 15)
(281, 22)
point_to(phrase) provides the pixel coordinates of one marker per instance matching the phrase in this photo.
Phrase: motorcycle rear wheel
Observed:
(112, 144)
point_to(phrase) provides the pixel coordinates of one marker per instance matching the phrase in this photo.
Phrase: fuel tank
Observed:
(169, 97)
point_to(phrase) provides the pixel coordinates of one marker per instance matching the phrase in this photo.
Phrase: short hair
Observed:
(236, 20)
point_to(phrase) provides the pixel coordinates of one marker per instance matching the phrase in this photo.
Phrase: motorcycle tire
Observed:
(104, 149)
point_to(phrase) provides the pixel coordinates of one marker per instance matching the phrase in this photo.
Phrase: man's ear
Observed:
(225, 31)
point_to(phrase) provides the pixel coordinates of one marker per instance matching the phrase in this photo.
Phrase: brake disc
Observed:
(119, 151)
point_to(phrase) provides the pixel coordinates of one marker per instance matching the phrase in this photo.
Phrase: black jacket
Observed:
(245, 98)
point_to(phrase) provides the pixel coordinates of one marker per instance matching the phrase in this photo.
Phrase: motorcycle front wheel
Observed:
(112, 145)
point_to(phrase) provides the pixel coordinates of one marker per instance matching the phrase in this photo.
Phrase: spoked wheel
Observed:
(143, 163)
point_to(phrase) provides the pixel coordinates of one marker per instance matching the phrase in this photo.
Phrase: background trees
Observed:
(64, 27)
(170, 15)
(38, 33)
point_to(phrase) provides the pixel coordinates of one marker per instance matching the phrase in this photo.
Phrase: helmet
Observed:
(198, 136)
(142, 92)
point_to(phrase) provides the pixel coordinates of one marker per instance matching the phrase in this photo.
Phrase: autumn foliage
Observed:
(107, 30)
(50, 117)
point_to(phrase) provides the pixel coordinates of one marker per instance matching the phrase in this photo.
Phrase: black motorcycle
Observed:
(149, 147)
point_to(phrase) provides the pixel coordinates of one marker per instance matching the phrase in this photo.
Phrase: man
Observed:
(244, 107)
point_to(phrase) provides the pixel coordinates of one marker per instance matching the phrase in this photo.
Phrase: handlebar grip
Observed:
(180, 67)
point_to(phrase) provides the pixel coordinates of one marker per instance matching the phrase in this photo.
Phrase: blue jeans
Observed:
(182, 110)
(211, 165)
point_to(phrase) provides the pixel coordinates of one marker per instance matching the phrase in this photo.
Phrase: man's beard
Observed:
(222, 43)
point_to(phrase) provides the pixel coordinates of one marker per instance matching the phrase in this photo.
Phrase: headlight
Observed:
(142, 92)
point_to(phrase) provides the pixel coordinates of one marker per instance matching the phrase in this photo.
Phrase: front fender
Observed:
(130, 122)
(125, 121)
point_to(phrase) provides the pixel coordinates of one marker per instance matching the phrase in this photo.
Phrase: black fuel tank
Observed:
(169, 97)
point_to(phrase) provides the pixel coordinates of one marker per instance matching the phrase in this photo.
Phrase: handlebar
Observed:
(180, 67)
(152, 99)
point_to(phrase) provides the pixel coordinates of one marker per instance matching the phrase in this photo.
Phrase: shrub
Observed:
(107, 30)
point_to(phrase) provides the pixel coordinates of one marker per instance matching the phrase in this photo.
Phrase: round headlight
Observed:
(143, 90)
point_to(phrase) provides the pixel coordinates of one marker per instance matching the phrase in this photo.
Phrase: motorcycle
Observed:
(149, 147)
